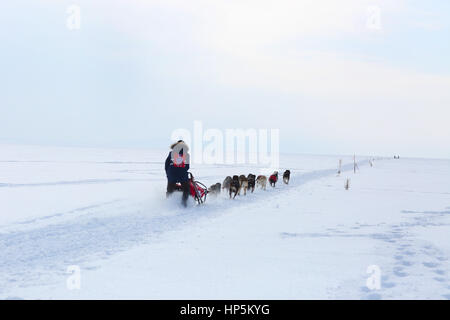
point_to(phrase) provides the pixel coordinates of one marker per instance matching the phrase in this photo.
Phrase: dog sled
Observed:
(197, 189)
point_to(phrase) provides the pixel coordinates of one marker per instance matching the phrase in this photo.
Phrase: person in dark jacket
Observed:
(177, 167)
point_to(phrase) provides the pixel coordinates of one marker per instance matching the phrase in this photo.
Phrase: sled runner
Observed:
(197, 189)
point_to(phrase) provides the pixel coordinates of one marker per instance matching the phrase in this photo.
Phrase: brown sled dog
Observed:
(262, 182)
(243, 184)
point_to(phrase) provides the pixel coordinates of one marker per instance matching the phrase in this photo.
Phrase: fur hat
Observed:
(183, 146)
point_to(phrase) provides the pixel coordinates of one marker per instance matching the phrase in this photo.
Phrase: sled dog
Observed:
(286, 176)
(273, 179)
(234, 186)
(243, 184)
(251, 182)
(215, 189)
(261, 181)
(226, 183)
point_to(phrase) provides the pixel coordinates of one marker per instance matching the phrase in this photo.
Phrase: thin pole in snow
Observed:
(355, 166)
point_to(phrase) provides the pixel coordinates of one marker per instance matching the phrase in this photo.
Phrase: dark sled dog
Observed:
(234, 186)
(286, 176)
(251, 182)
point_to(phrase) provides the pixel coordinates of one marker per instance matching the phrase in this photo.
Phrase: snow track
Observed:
(32, 255)
(309, 239)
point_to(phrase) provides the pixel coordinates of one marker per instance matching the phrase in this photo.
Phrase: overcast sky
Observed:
(317, 70)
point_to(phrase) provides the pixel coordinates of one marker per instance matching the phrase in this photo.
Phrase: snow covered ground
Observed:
(105, 211)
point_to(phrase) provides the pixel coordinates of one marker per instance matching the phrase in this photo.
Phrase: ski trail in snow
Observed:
(33, 257)
(60, 183)
(53, 216)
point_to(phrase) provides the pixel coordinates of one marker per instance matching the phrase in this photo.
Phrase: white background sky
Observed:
(137, 70)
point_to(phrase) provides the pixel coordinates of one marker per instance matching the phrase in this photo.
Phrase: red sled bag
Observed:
(197, 189)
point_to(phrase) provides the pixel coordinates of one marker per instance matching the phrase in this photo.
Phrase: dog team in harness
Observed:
(180, 179)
